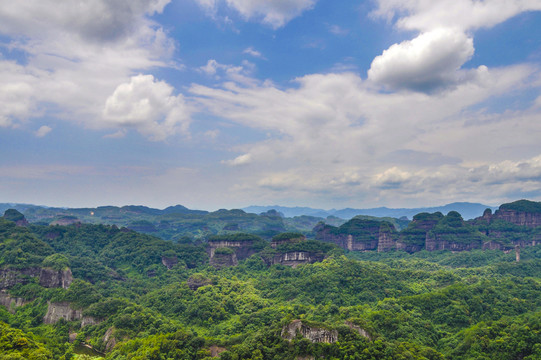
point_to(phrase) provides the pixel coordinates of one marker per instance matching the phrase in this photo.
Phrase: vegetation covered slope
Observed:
(426, 305)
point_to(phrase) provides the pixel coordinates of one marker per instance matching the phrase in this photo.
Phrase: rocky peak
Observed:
(15, 216)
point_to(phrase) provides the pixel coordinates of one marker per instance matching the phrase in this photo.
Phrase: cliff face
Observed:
(435, 242)
(359, 235)
(48, 278)
(518, 217)
(11, 277)
(296, 258)
(62, 310)
(312, 333)
(11, 303)
(243, 249)
(224, 260)
(51, 278)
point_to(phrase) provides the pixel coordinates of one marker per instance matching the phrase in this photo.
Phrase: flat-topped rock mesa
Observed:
(15, 216)
(521, 212)
(244, 245)
(453, 233)
(359, 234)
(49, 278)
(286, 238)
(316, 333)
(292, 249)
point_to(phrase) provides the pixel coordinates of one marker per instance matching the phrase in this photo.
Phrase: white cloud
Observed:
(76, 54)
(463, 14)
(428, 62)
(43, 130)
(239, 74)
(336, 134)
(148, 106)
(434, 58)
(98, 20)
(252, 52)
(243, 159)
(275, 13)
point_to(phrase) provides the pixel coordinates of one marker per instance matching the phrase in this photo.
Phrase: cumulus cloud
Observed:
(463, 14)
(275, 13)
(42, 131)
(432, 60)
(76, 53)
(428, 62)
(149, 106)
(98, 20)
(337, 134)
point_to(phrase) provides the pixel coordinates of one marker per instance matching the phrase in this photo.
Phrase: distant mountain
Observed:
(466, 209)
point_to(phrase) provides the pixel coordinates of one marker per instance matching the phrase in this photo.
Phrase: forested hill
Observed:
(111, 292)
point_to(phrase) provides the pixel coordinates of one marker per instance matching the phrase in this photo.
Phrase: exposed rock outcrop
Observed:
(51, 278)
(15, 216)
(313, 333)
(242, 248)
(358, 234)
(11, 303)
(63, 310)
(296, 258)
(286, 238)
(109, 339)
(197, 280)
(10, 277)
(222, 260)
(169, 261)
(359, 329)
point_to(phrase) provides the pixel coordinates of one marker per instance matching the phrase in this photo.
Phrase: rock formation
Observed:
(48, 278)
(314, 333)
(296, 258)
(222, 259)
(169, 261)
(11, 303)
(358, 234)
(359, 329)
(15, 216)
(286, 238)
(63, 310)
(197, 280)
(51, 278)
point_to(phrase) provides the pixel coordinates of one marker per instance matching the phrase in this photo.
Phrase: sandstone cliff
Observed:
(63, 310)
(359, 235)
(11, 303)
(48, 278)
(296, 258)
(222, 259)
(314, 333)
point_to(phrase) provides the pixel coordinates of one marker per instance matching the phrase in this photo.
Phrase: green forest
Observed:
(102, 291)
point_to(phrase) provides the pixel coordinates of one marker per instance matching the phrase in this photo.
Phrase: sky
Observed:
(229, 103)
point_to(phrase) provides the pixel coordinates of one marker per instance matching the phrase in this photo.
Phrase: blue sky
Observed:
(228, 103)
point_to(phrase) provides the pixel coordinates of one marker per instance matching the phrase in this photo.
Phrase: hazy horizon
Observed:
(227, 104)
